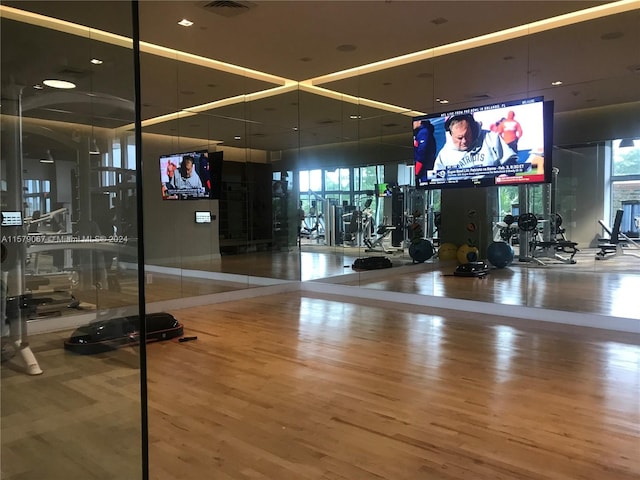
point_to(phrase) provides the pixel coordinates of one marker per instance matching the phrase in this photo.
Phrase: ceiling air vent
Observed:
(75, 72)
(228, 8)
(478, 96)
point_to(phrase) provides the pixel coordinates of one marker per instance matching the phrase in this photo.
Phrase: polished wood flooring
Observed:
(298, 386)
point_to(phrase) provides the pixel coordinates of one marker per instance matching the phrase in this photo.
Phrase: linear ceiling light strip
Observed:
(343, 97)
(121, 41)
(483, 40)
(210, 63)
(310, 85)
(64, 26)
(190, 111)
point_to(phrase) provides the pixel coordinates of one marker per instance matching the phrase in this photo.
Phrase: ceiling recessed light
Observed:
(46, 160)
(59, 84)
(96, 61)
(355, 117)
(556, 83)
(185, 23)
(442, 100)
(237, 137)
(38, 87)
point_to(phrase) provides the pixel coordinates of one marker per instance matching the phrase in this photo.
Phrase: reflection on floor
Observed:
(607, 287)
(601, 287)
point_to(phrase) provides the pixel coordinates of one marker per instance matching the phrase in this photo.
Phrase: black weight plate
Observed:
(558, 219)
(527, 222)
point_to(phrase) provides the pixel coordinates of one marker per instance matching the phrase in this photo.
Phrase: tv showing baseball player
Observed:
(191, 175)
(505, 143)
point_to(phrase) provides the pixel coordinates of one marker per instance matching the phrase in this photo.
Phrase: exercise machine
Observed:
(540, 245)
(358, 224)
(618, 243)
(383, 232)
(542, 236)
(313, 226)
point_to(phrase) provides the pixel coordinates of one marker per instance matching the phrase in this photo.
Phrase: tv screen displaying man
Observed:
(496, 144)
(185, 176)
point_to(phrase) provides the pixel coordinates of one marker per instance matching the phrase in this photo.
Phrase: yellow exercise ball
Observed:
(447, 251)
(464, 251)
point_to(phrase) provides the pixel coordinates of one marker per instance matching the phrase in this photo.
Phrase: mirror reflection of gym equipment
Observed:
(61, 234)
(542, 239)
(617, 243)
(358, 221)
(313, 222)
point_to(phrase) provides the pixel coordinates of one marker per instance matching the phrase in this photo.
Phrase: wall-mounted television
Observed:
(385, 189)
(190, 175)
(505, 143)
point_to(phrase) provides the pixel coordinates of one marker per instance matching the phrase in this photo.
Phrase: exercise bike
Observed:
(383, 231)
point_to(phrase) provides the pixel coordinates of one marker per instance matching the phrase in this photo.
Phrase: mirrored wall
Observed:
(292, 170)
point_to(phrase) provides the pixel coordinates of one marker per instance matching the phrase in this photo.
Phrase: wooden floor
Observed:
(294, 386)
(605, 293)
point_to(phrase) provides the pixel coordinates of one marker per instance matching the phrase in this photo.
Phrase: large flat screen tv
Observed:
(498, 144)
(190, 175)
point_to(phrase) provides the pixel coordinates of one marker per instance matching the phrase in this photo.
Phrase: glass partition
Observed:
(239, 120)
(71, 365)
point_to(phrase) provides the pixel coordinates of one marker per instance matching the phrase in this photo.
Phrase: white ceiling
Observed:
(598, 61)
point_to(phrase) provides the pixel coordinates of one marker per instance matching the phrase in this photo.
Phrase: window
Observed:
(625, 184)
(367, 177)
(507, 201)
(311, 191)
(311, 180)
(37, 196)
(337, 180)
